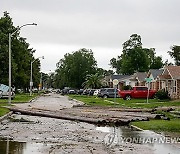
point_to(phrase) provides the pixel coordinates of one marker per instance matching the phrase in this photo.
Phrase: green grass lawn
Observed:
(157, 125)
(119, 102)
(172, 125)
(19, 98)
(3, 110)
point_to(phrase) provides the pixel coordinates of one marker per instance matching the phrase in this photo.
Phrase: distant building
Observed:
(170, 81)
(153, 74)
(109, 79)
(137, 79)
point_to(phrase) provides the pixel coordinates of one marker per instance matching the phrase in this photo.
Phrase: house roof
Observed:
(156, 72)
(140, 76)
(163, 77)
(174, 71)
(126, 77)
(118, 76)
(112, 77)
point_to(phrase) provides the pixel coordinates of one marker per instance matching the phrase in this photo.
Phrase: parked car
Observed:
(64, 91)
(58, 91)
(91, 92)
(136, 92)
(35, 90)
(86, 92)
(108, 92)
(96, 92)
(72, 91)
(80, 91)
(4, 91)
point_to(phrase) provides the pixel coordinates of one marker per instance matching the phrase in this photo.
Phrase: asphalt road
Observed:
(43, 135)
(52, 101)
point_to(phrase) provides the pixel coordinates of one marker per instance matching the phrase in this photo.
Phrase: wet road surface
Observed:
(23, 134)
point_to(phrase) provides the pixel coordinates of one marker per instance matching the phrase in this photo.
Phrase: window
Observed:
(141, 88)
(111, 90)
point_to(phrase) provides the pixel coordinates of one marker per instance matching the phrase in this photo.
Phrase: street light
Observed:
(10, 35)
(31, 80)
(40, 83)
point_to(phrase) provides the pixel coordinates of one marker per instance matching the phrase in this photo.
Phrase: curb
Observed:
(136, 128)
(77, 101)
(6, 116)
(30, 101)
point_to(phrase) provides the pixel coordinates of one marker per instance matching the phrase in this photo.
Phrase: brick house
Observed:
(170, 81)
(153, 74)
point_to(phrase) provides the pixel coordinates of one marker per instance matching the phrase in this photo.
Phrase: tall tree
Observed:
(175, 54)
(135, 58)
(155, 62)
(22, 55)
(93, 81)
(72, 69)
(104, 72)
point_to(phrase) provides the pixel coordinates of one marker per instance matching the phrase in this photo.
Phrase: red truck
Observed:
(136, 92)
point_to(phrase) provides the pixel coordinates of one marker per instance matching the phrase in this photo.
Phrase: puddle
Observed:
(104, 129)
(114, 136)
(117, 136)
(13, 147)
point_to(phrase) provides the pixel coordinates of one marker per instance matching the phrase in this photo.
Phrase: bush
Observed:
(162, 94)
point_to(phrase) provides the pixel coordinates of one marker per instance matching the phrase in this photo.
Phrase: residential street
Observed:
(53, 102)
(89, 77)
(42, 135)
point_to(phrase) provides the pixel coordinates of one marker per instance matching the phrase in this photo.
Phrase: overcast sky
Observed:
(101, 25)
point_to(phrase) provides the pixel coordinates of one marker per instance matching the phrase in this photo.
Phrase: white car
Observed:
(96, 92)
(4, 91)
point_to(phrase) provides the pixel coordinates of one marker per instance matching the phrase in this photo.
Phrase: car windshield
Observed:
(102, 90)
(4, 88)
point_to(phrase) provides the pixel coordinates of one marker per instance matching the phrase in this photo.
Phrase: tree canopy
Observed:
(175, 54)
(135, 58)
(74, 67)
(22, 55)
(93, 81)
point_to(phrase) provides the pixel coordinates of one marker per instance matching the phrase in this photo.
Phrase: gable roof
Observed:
(140, 76)
(118, 76)
(156, 72)
(112, 77)
(164, 77)
(126, 77)
(174, 71)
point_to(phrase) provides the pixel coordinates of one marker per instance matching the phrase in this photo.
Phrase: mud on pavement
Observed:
(57, 106)
(53, 136)
(62, 136)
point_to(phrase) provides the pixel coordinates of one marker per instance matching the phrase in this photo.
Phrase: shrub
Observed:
(162, 94)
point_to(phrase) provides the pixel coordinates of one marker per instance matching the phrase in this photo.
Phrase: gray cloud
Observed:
(98, 23)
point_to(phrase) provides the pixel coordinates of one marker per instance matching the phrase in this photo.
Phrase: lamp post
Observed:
(31, 79)
(40, 83)
(10, 35)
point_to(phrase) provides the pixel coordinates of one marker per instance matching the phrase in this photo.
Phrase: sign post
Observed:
(115, 83)
(148, 81)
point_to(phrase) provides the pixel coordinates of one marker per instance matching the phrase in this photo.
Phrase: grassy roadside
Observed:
(173, 125)
(3, 110)
(119, 102)
(20, 98)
